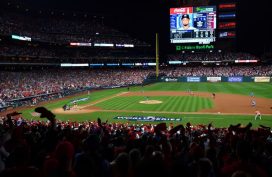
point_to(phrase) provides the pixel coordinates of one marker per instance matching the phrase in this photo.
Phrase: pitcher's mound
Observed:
(151, 102)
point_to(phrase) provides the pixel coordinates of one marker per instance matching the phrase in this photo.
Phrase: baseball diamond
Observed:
(232, 103)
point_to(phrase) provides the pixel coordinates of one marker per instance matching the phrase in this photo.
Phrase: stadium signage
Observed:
(193, 79)
(262, 79)
(227, 15)
(114, 86)
(80, 44)
(246, 61)
(124, 45)
(151, 64)
(73, 64)
(171, 79)
(194, 47)
(79, 100)
(235, 79)
(227, 25)
(214, 79)
(113, 64)
(127, 64)
(146, 118)
(96, 64)
(103, 45)
(204, 9)
(174, 62)
(227, 34)
(186, 10)
(21, 38)
(227, 6)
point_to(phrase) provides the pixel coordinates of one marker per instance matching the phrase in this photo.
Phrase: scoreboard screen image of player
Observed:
(193, 24)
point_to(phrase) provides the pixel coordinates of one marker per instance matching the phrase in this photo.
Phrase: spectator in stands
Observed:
(96, 148)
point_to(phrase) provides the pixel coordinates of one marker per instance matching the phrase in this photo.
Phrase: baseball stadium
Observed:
(135, 89)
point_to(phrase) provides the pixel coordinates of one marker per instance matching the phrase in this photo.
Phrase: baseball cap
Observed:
(185, 16)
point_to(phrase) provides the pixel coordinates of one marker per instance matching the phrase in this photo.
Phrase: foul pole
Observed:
(157, 55)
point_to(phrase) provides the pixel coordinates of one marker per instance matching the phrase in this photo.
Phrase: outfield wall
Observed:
(212, 79)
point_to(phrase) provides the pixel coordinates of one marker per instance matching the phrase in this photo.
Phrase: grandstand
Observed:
(82, 95)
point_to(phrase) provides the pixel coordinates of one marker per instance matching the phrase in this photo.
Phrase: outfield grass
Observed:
(171, 103)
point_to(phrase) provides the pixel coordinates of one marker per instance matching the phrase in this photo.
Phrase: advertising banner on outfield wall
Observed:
(193, 79)
(235, 79)
(262, 79)
(214, 79)
(169, 79)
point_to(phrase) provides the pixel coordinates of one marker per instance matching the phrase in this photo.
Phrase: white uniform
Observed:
(253, 103)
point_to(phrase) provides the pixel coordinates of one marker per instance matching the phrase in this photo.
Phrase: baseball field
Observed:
(191, 102)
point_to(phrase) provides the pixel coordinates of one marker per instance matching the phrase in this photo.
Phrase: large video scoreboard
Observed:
(193, 24)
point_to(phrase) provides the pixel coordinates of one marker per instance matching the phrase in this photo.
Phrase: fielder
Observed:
(213, 95)
(253, 103)
(258, 115)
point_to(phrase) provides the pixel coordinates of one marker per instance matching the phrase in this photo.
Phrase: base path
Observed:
(88, 108)
(232, 104)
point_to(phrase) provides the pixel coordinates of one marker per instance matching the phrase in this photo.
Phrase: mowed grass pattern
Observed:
(169, 103)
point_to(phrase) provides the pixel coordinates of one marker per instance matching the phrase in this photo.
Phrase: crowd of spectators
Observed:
(223, 56)
(61, 29)
(218, 71)
(15, 85)
(34, 148)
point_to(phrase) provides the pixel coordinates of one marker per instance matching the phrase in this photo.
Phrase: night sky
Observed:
(143, 18)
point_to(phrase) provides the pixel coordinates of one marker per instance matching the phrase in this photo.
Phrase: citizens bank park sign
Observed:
(146, 118)
(194, 47)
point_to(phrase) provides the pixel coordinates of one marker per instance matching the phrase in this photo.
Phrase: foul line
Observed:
(103, 99)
